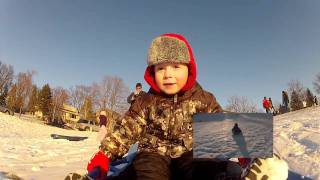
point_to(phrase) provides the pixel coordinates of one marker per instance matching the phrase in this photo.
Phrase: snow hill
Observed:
(28, 151)
(297, 140)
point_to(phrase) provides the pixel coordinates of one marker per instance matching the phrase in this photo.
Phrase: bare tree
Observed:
(316, 83)
(117, 100)
(77, 95)
(95, 92)
(241, 105)
(60, 96)
(24, 88)
(11, 100)
(111, 93)
(104, 91)
(87, 108)
(6, 77)
(33, 100)
(295, 85)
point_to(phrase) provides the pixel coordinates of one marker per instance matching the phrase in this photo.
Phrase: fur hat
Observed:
(170, 48)
(167, 49)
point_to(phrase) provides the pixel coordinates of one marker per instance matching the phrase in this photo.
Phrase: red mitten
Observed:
(99, 160)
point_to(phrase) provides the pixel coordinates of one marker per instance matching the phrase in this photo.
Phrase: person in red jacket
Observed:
(266, 104)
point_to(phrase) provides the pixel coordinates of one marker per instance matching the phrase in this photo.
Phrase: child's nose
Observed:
(168, 72)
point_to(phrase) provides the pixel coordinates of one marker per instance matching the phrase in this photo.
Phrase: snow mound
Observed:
(30, 153)
(297, 140)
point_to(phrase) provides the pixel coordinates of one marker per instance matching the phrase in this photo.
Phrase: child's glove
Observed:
(269, 168)
(244, 162)
(99, 160)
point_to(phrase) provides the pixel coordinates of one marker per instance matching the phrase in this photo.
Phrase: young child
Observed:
(161, 120)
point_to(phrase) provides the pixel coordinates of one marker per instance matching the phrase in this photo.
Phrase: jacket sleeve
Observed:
(214, 106)
(129, 98)
(125, 132)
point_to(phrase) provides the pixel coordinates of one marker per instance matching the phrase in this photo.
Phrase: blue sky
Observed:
(249, 48)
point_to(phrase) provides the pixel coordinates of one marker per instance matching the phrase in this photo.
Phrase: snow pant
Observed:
(267, 110)
(286, 106)
(153, 166)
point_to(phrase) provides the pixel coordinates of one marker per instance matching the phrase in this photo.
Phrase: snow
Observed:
(213, 136)
(28, 151)
(297, 140)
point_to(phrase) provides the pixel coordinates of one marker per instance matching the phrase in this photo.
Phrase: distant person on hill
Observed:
(266, 104)
(236, 130)
(271, 106)
(315, 100)
(285, 100)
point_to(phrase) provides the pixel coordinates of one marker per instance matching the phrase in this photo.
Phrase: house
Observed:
(70, 114)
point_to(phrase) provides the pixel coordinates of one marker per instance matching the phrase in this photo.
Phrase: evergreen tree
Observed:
(33, 101)
(87, 109)
(4, 95)
(309, 98)
(296, 101)
(45, 100)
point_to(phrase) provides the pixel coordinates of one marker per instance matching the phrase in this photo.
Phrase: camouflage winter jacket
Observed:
(160, 123)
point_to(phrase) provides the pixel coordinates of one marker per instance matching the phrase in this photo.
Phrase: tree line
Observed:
(19, 93)
(297, 92)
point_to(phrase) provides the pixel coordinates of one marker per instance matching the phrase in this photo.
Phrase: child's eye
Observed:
(176, 67)
(160, 68)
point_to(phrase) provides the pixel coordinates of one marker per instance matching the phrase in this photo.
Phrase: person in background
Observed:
(271, 106)
(266, 104)
(134, 95)
(285, 100)
(103, 126)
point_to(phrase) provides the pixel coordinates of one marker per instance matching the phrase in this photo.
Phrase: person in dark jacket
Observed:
(134, 95)
(285, 100)
(272, 107)
(236, 130)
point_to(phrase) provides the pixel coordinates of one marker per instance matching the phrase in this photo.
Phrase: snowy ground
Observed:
(297, 140)
(213, 137)
(28, 151)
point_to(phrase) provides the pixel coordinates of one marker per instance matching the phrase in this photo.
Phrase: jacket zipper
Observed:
(175, 100)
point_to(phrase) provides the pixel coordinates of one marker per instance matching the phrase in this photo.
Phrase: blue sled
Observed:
(119, 165)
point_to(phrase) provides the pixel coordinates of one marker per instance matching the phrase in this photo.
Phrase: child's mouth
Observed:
(169, 84)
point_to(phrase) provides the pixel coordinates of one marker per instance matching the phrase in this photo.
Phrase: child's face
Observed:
(171, 77)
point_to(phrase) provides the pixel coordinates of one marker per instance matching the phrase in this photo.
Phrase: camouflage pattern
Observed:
(160, 123)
